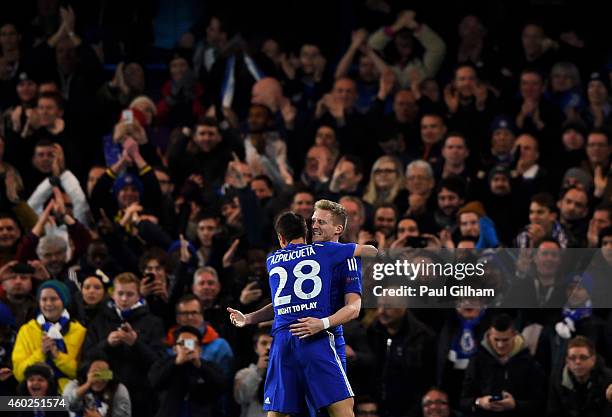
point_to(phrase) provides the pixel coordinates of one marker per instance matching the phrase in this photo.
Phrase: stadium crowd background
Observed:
(146, 147)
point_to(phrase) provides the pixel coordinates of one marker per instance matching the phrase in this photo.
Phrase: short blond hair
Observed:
(337, 210)
(127, 278)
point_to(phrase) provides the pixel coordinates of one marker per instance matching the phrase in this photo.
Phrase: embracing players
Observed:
(308, 283)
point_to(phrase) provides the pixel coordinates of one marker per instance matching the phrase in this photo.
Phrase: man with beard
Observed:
(53, 253)
(451, 196)
(17, 285)
(385, 220)
(498, 200)
(573, 208)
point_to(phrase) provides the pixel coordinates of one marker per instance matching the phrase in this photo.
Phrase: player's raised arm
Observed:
(367, 251)
(240, 320)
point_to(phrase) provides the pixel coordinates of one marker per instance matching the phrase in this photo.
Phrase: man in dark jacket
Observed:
(189, 385)
(579, 388)
(131, 337)
(406, 351)
(203, 151)
(503, 379)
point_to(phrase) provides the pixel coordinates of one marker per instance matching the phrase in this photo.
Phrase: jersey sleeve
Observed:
(340, 252)
(350, 272)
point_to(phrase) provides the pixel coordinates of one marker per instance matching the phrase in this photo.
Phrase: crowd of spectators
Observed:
(145, 148)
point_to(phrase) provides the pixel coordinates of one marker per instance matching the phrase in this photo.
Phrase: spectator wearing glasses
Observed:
(579, 388)
(213, 348)
(185, 381)
(435, 404)
(386, 181)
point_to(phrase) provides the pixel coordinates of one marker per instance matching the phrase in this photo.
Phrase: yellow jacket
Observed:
(28, 351)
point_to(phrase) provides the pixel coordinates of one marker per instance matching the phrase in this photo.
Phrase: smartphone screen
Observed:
(127, 116)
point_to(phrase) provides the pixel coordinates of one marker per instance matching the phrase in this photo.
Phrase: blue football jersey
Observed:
(302, 278)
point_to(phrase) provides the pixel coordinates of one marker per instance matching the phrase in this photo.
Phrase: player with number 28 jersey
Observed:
(302, 281)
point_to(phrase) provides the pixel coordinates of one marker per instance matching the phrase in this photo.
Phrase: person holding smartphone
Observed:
(96, 392)
(183, 378)
(503, 378)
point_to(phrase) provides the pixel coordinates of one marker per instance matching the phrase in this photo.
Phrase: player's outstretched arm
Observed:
(367, 251)
(240, 320)
(309, 326)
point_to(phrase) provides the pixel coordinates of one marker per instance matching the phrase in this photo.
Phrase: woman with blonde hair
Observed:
(386, 181)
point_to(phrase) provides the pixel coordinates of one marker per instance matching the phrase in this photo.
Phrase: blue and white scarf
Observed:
(56, 330)
(567, 327)
(229, 80)
(464, 346)
(124, 315)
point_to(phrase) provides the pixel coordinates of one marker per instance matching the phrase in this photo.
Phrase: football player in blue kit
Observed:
(301, 279)
(328, 223)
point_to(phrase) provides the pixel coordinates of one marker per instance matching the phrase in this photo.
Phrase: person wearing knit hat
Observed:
(503, 121)
(499, 170)
(598, 113)
(577, 177)
(473, 207)
(126, 180)
(473, 221)
(59, 287)
(503, 135)
(578, 308)
(52, 337)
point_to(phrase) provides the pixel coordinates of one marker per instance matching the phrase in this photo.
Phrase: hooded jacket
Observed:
(520, 376)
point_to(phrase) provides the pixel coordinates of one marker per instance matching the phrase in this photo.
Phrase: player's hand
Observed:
(237, 318)
(307, 326)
